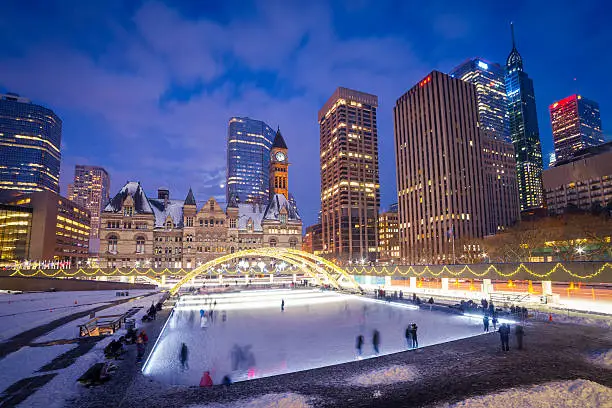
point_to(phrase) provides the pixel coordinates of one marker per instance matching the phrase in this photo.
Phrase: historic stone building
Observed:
(163, 232)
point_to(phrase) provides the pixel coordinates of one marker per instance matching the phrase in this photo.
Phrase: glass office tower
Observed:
(248, 160)
(524, 131)
(30, 137)
(489, 79)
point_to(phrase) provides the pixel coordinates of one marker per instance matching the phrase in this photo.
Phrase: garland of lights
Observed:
(465, 270)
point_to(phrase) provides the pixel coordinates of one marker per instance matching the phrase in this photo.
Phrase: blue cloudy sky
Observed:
(145, 88)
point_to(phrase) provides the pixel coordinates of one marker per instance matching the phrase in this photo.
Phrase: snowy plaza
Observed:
(315, 329)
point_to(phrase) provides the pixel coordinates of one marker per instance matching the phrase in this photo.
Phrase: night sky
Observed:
(146, 90)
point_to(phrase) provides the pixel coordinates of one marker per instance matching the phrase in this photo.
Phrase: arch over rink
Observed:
(312, 265)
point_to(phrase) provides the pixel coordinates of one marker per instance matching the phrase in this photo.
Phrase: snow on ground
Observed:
(313, 331)
(603, 358)
(26, 361)
(385, 375)
(562, 394)
(65, 386)
(71, 330)
(285, 400)
(21, 312)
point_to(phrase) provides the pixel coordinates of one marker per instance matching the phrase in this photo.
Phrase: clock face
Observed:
(280, 156)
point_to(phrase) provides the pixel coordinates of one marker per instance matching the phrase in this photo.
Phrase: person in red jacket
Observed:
(144, 337)
(206, 380)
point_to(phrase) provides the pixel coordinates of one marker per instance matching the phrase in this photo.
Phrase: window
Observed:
(189, 221)
(212, 205)
(112, 244)
(232, 223)
(128, 211)
(273, 242)
(293, 243)
(140, 245)
(168, 224)
(283, 219)
(201, 222)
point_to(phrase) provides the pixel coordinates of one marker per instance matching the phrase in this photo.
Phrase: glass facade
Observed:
(576, 124)
(30, 137)
(490, 85)
(248, 160)
(15, 230)
(524, 132)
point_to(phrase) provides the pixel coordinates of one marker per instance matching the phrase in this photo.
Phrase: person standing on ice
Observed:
(485, 322)
(494, 321)
(408, 335)
(519, 332)
(504, 335)
(359, 345)
(376, 341)
(184, 357)
(282, 305)
(202, 313)
(415, 340)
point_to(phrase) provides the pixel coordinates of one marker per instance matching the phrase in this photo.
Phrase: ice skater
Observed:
(282, 305)
(184, 357)
(376, 341)
(415, 340)
(504, 335)
(359, 345)
(203, 321)
(224, 316)
(519, 332)
(408, 335)
(494, 321)
(206, 380)
(485, 322)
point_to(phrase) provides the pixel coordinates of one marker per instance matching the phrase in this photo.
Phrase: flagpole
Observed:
(454, 260)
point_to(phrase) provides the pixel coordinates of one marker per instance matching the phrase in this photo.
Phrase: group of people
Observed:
(375, 343)
(412, 341)
(504, 334)
(486, 321)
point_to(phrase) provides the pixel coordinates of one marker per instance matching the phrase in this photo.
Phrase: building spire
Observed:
(514, 60)
(512, 34)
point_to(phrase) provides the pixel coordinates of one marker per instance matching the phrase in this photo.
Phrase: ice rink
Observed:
(316, 329)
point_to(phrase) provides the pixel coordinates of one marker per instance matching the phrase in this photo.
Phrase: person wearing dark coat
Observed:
(519, 332)
(494, 321)
(485, 322)
(415, 340)
(359, 344)
(376, 341)
(283, 305)
(408, 335)
(184, 357)
(504, 334)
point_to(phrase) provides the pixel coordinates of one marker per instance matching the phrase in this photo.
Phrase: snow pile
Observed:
(577, 393)
(604, 358)
(284, 400)
(386, 375)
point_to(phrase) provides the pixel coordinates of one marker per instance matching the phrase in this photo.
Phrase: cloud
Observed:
(153, 103)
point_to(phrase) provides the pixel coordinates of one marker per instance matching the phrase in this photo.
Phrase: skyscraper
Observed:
(498, 151)
(350, 190)
(440, 178)
(576, 124)
(30, 138)
(488, 77)
(91, 189)
(524, 132)
(248, 160)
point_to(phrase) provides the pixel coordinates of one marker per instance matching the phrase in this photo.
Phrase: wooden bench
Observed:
(101, 325)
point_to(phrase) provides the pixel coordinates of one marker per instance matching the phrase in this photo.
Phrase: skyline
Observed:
(128, 79)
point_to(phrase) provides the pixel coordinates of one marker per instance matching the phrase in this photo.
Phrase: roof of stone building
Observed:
(248, 212)
(279, 142)
(164, 208)
(133, 189)
(277, 203)
(190, 200)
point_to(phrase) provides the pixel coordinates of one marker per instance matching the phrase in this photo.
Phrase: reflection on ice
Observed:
(247, 334)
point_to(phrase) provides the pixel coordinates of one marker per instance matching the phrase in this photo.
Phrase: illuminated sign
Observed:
(483, 65)
(425, 81)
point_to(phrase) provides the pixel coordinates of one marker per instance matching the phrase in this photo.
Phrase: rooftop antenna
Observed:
(512, 34)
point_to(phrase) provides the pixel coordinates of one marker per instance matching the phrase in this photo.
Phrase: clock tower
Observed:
(279, 167)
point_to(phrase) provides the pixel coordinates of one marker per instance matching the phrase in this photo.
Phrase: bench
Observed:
(101, 325)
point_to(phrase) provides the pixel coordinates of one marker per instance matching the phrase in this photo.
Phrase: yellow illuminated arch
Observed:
(312, 265)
